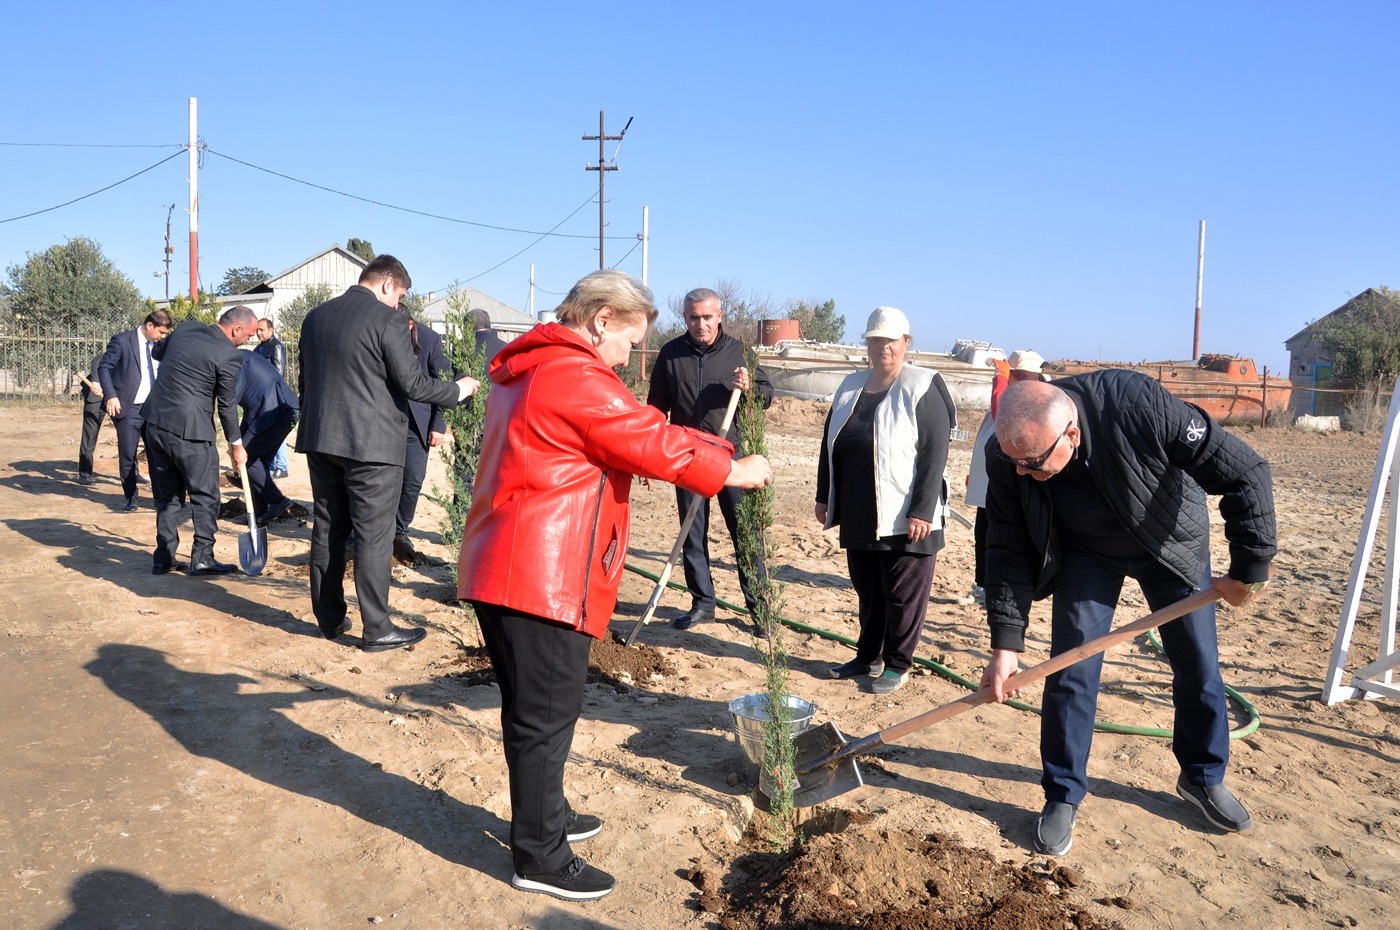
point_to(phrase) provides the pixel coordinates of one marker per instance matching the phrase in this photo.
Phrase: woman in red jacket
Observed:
(544, 544)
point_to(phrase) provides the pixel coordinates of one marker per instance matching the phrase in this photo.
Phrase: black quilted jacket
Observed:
(1155, 458)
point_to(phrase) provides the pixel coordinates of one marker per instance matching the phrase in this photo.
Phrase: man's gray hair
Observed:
(700, 295)
(1031, 407)
(480, 320)
(630, 299)
(238, 316)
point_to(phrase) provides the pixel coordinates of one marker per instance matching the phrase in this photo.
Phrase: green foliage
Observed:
(361, 247)
(756, 550)
(742, 309)
(205, 309)
(412, 303)
(464, 422)
(818, 321)
(241, 280)
(289, 322)
(1364, 339)
(65, 287)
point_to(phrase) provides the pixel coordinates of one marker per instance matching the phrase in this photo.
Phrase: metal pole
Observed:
(646, 220)
(168, 250)
(1264, 399)
(194, 200)
(1200, 277)
(531, 301)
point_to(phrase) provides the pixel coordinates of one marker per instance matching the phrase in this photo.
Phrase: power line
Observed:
(629, 252)
(93, 145)
(390, 206)
(96, 192)
(536, 242)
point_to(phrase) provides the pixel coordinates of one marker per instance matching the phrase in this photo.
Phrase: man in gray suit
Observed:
(198, 366)
(358, 374)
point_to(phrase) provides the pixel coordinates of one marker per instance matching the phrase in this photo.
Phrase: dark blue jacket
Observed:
(264, 395)
(425, 418)
(119, 372)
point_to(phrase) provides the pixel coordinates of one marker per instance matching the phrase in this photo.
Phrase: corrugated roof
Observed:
(502, 314)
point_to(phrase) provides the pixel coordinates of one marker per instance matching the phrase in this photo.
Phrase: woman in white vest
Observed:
(881, 479)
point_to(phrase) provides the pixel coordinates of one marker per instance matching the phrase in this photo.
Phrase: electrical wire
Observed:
(94, 193)
(629, 252)
(93, 145)
(390, 206)
(532, 244)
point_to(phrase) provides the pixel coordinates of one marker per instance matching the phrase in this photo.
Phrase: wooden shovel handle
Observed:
(1051, 666)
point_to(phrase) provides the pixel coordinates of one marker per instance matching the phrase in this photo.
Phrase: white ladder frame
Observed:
(1374, 680)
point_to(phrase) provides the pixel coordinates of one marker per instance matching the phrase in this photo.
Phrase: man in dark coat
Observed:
(272, 349)
(691, 382)
(269, 413)
(92, 423)
(487, 342)
(127, 374)
(358, 374)
(1092, 480)
(200, 367)
(426, 429)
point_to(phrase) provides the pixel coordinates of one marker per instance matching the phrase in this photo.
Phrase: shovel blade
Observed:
(827, 779)
(252, 551)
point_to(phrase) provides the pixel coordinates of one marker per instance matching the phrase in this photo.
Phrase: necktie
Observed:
(150, 364)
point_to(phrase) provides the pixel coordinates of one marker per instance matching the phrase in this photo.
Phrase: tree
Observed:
(205, 309)
(818, 321)
(71, 288)
(241, 280)
(289, 321)
(362, 248)
(742, 309)
(1364, 339)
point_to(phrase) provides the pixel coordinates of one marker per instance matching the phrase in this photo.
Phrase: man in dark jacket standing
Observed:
(272, 349)
(691, 382)
(127, 373)
(427, 428)
(1098, 478)
(269, 413)
(199, 366)
(92, 424)
(358, 375)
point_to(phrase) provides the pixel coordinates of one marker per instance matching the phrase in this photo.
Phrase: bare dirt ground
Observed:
(187, 752)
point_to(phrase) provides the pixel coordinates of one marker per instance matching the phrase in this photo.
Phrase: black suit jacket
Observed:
(264, 395)
(275, 352)
(198, 365)
(119, 372)
(358, 373)
(425, 418)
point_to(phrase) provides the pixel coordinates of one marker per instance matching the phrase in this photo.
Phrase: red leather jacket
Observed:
(547, 531)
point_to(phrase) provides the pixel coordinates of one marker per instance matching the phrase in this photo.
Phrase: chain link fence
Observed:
(42, 361)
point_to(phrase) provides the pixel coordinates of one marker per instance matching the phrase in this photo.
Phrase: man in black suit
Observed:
(272, 349)
(487, 342)
(269, 413)
(92, 423)
(358, 375)
(426, 428)
(127, 373)
(199, 366)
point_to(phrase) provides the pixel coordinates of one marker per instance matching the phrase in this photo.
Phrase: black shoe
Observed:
(577, 881)
(87, 479)
(1219, 805)
(400, 636)
(338, 631)
(403, 549)
(686, 621)
(855, 668)
(277, 474)
(131, 505)
(142, 479)
(167, 569)
(1054, 828)
(212, 567)
(581, 826)
(275, 511)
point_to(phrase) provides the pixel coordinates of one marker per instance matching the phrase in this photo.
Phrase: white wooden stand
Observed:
(1374, 680)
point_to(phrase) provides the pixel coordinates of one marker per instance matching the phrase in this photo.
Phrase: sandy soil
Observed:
(187, 752)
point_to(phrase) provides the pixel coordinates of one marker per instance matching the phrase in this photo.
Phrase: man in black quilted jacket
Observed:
(1092, 480)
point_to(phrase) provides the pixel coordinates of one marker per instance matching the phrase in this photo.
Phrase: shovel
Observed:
(660, 588)
(252, 545)
(824, 759)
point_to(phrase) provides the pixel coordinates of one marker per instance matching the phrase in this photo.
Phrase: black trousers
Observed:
(892, 589)
(541, 668)
(93, 413)
(262, 449)
(183, 468)
(695, 551)
(979, 548)
(356, 495)
(415, 467)
(130, 427)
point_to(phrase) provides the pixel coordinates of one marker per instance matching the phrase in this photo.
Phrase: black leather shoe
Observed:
(686, 621)
(400, 636)
(167, 569)
(275, 511)
(212, 567)
(338, 631)
(142, 479)
(131, 506)
(403, 550)
(87, 479)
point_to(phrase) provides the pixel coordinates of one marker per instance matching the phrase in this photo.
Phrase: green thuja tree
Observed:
(756, 551)
(464, 423)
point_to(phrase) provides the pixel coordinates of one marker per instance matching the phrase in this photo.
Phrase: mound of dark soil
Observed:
(609, 662)
(891, 880)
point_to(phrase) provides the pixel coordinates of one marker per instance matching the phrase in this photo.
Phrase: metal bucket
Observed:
(751, 714)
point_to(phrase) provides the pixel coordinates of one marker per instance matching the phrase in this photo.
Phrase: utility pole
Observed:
(530, 300)
(169, 249)
(602, 168)
(1200, 280)
(646, 240)
(194, 200)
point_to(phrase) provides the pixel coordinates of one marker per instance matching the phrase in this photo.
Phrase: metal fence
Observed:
(42, 359)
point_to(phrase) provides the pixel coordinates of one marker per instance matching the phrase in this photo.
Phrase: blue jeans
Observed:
(1083, 609)
(279, 463)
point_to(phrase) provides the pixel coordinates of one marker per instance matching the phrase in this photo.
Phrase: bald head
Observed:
(1030, 414)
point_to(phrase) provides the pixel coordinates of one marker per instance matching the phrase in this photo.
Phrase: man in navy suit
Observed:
(269, 413)
(201, 366)
(426, 429)
(127, 373)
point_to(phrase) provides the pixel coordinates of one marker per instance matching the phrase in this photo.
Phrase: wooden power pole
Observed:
(602, 168)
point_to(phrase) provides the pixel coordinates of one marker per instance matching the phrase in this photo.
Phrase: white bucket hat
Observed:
(886, 323)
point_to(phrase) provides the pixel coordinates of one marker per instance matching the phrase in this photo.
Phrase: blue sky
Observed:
(1028, 174)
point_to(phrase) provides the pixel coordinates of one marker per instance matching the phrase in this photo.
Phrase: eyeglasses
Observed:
(1037, 463)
